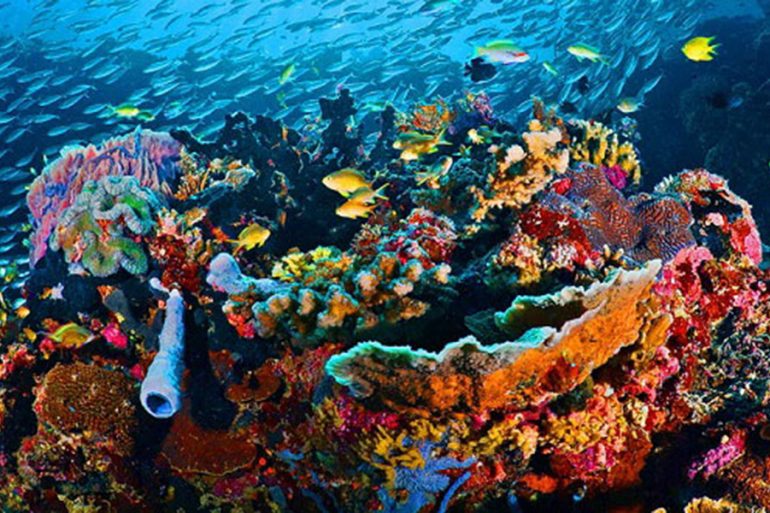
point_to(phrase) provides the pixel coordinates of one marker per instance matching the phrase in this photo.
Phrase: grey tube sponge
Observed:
(161, 393)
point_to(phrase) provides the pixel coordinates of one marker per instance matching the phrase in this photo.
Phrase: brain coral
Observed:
(644, 226)
(91, 400)
(91, 230)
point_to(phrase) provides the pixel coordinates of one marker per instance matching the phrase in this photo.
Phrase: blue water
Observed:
(63, 64)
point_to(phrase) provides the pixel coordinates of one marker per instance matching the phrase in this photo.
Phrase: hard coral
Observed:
(98, 230)
(97, 402)
(524, 170)
(193, 449)
(597, 144)
(560, 340)
(325, 291)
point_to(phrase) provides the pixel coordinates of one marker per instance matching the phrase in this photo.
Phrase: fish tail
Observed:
(378, 192)
(440, 139)
(238, 245)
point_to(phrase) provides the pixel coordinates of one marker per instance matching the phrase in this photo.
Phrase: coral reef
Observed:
(148, 156)
(515, 327)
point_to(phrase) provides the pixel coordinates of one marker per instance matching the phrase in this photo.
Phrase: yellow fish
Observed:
(367, 195)
(700, 49)
(415, 144)
(629, 105)
(253, 235)
(354, 209)
(126, 110)
(584, 51)
(71, 335)
(346, 181)
(436, 171)
(287, 72)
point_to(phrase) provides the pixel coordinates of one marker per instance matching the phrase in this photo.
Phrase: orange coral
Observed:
(91, 400)
(192, 449)
(257, 385)
(549, 359)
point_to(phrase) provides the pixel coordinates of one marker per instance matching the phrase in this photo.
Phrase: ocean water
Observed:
(74, 73)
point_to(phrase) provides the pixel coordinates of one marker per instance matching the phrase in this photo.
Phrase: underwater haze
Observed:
(402, 257)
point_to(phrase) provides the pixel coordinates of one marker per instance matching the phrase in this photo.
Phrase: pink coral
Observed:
(114, 336)
(149, 156)
(617, 176)
(730, 449)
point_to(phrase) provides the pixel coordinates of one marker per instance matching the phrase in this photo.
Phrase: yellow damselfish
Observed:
(354, 209)
(367, 195)
(253, 235)
(700, 49)
(415, 144)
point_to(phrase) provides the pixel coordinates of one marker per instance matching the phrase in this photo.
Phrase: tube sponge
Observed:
(161, 394)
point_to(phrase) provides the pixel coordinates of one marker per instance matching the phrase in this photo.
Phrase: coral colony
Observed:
(509, 325)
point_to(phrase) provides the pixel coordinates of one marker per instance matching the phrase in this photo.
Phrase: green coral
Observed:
(98, 230)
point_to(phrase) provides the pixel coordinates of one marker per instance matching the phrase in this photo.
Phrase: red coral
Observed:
(179, 270)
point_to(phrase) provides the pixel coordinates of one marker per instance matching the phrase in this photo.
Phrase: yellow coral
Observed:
(523, 172)
(506, 435)
(321, 262)
(599, 145)
(386, 452)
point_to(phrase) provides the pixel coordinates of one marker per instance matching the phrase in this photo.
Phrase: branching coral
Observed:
(178, 247)
(524, 170)
(597, 144)
(326, 290)
(99, 228)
